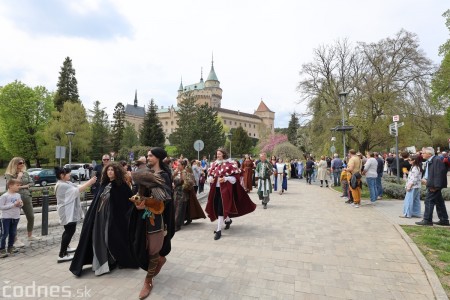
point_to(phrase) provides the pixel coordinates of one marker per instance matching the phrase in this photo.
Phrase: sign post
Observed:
(199, 145)
(60, 152)
(393, 130)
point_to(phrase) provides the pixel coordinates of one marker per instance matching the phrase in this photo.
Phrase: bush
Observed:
(398, 191)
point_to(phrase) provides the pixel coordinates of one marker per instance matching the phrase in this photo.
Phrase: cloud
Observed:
(85, 19)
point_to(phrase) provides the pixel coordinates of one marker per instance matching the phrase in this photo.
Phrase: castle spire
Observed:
(212, 74)
(180, 89)
(135, 98)
(201, 74)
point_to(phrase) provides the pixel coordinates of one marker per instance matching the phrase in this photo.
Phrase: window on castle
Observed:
(249, 134)
(167, 123)
(254, 134)
(224, 121)
(171, 122)
(254, 126)
(235, 123)
(240, 124)
(245, 124)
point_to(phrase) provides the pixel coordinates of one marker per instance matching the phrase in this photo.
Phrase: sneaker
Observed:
(34, 238)
(265, 206)
(356, 205)
(3, 253)
(66, 257)
(12, 250)
(379, 198)
(353, 203)
(71, 250)
(19, 244)
(442, 223)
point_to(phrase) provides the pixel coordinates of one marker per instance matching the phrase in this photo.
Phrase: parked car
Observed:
(33, 171)
(44, 177)
(75, 172)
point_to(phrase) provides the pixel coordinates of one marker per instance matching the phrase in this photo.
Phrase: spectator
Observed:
(370, 170)
(380, 171)
(411, 206)
(98, 172)
(336, 169)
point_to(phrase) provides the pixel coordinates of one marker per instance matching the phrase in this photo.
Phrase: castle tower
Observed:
(212, 84)
(267, 116)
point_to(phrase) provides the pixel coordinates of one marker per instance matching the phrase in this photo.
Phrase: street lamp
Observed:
(70, 135)
(229, 134)
(343, 98)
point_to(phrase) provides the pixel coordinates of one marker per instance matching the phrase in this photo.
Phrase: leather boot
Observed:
(147, 288)
(161, 262)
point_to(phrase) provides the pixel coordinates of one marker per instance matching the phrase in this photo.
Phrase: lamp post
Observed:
(343, 99)
(229, 134)
(70, 135)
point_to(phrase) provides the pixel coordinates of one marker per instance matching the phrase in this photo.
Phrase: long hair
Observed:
(12, 166)
(119, 173)
(417, 161)
(224, 152)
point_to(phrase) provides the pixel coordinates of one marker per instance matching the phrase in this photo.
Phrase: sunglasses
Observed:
(20, 163)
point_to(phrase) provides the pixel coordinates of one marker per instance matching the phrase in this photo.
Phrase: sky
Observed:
(259, 47)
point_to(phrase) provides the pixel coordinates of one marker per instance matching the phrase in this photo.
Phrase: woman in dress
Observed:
(104, 240)
(411, 204)
(17, 169)
(322, 171)
(247, 171)
(281, 178)
(69, 208)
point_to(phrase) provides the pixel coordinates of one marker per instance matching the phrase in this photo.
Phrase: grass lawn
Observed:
(434, 243)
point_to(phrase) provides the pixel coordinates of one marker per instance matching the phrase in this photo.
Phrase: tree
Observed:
(267, 145)
(440, 83)
(382, 79)
(152, 134)
(100, 131)
(241, 143)
(287, 151)
(292, 129)
(118, 127)
(24, 113)
(72, 118)
(67, 86)
(130, 136)
(197, 123)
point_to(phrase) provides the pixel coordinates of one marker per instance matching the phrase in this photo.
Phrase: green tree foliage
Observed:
(292, 129)
(72, 118)
(138, 151)
(67, 85)
(383, 79)
(100, 143)
(118, 127)
(130, 136)
(287, 151)
(152, 134)
(241, 143)
(445, 48)
(197, 123)
(24, 113)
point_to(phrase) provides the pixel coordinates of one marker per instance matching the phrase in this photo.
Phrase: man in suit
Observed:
(435, 179)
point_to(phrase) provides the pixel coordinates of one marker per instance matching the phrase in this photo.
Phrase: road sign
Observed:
(60, 152)
(199, 145)
(393, 129)
(333, 149)
(396, 118)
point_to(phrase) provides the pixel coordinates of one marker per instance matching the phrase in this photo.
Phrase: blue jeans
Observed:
(411, 205)
(337, 177)
(9, 228)
(372, 183)
(379, 186)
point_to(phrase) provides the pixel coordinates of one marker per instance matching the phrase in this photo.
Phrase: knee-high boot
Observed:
(148, 283)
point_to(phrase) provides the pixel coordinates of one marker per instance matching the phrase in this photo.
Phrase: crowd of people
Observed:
(138, 208)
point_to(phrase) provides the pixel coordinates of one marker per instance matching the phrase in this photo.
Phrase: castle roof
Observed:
(237, 113)
(263, 107)
(196, 86)
(135, 110)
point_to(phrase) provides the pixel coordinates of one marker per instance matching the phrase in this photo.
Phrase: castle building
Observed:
(210, 92)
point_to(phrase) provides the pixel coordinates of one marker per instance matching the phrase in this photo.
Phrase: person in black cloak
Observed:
(104, 249)
(152, 219)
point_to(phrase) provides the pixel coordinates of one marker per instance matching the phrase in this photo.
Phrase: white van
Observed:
(75, 172)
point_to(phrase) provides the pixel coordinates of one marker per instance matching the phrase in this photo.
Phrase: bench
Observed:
(37, 201)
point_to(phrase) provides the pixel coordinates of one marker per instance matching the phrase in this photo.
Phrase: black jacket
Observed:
(437, 174)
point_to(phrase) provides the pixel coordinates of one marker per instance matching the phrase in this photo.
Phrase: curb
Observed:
(436, 286)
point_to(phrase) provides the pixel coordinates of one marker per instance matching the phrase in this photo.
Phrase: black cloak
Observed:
(118, 233)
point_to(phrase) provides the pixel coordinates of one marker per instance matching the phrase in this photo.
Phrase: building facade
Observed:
(209, 92)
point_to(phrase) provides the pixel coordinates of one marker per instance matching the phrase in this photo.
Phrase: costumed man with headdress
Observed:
(226, 199)
(152, 223)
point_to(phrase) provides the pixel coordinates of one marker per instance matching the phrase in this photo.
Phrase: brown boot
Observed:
(147, 288)
(161, 262)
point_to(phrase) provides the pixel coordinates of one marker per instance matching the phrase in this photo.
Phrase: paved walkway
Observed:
(308, 244)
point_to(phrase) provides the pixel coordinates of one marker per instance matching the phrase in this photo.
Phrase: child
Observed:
(10, 204)
(345, 183)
